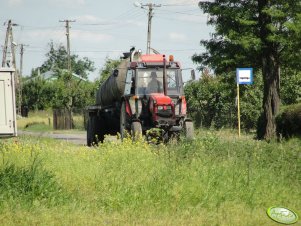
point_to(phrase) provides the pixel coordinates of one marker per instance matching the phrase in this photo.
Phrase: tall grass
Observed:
(36, 119)
(208, 181)
(28, 186)
(42, 121)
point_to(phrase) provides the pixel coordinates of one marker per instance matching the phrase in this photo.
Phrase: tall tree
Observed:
(254, 33)
(57, 60)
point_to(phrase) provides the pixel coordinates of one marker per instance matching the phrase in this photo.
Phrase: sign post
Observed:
(244, 76)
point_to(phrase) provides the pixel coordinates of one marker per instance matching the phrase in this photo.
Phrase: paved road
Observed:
(76, 138)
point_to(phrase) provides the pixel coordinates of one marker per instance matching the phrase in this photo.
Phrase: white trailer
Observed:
(8, 122)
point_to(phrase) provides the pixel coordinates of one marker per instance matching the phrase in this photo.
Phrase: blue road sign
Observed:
(244, 76)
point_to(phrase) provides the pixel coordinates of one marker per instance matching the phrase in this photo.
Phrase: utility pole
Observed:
(20, 78)
(150, 7)
(68, 42)
(6, 43)
(9, 37)
(69, 126)
(12, 61)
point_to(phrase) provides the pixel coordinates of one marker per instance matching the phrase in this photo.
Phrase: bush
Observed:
(28, 184)
(212, 101)
(288, 121)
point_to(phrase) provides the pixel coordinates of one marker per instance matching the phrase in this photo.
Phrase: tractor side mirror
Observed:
(192, 72)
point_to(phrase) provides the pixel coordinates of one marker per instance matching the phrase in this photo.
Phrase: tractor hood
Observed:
(161, 99)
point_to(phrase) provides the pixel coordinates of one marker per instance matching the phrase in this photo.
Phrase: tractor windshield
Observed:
(151, 81)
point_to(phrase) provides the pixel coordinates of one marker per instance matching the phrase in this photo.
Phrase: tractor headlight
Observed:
(160, 108)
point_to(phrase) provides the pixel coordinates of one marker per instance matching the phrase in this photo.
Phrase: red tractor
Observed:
(144, 94)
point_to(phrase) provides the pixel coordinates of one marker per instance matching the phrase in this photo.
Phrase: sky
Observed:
(104, 29)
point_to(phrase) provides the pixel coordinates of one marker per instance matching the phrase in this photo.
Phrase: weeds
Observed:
(210, 179)
(29, 185)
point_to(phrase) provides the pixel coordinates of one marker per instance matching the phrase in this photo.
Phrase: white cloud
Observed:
(177, 37)
(59, 35)
(184, 2)
(14, 3)
(138, 23)
(89, 19)
(69, 3)
(202, 18)
(50, 34)
(89, 36)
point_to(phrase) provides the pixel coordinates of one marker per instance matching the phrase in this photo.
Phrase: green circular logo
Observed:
(282, 215)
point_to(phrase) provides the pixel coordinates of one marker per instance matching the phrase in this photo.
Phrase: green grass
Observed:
(208, 181)
(42, 121)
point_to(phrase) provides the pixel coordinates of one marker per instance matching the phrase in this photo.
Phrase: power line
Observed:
(188, 4)
(150, 7)
(181, 12)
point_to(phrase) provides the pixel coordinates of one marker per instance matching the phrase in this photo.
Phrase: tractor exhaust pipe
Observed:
(164, 76)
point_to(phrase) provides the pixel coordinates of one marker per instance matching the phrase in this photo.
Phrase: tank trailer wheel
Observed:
(90, 131)
(94, 132)
(188, 130)
(136, 130)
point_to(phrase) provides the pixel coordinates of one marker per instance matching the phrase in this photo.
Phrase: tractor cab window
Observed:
(174, 82)
(149, 81)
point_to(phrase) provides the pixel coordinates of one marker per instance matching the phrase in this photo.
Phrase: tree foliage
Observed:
(37, 93)
(290, 87)
(56, 92)
(263, 34)
(212, 101)
(57, 60)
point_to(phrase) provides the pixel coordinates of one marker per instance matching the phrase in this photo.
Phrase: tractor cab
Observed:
(156, 96)
(151, 80)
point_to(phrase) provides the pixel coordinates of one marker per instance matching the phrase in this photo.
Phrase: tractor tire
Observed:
(136, 130)
(90, 130)
(188, 130)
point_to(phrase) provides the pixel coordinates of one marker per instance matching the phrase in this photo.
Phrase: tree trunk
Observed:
(271, 77)
(271, 98)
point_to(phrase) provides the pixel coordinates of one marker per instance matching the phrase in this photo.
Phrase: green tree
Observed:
(38, 94)
(212, 101)
(62, 90)
(254, 33)
(57, 60)
(290, 87)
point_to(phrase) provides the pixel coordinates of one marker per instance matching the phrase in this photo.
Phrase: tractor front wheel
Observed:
(136, 130)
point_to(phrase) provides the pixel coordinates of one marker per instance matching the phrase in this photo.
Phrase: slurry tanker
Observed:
(143, 96)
